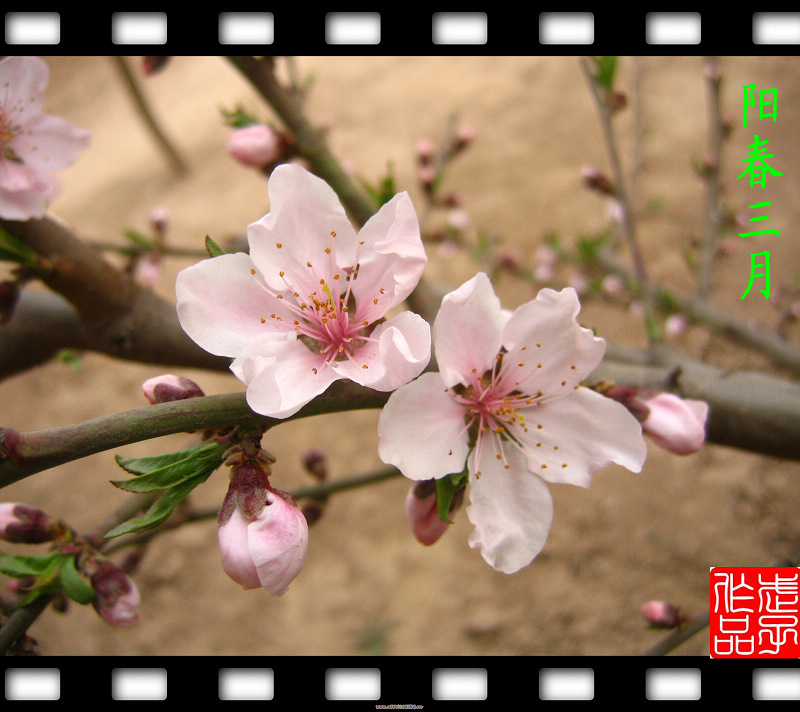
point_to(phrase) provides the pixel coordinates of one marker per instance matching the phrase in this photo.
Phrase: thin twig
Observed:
(621, 196)
(143, 107)
(711, 175)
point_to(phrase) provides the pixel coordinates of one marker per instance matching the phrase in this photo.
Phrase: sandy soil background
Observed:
(368, 587)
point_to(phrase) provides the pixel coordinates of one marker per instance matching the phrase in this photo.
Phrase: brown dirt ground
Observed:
(368, 587)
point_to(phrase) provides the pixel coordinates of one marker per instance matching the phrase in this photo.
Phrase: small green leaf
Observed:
(213, 249)
(145, 465)
(446, 487)
(12, 249)
(159, 511)
(24, 566)
(606, 68)
(75, 585)
(138, 239)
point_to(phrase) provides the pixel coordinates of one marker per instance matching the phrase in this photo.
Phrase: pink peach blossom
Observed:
(506, 404)
(267, 551)
(306, 307)
(33, 145)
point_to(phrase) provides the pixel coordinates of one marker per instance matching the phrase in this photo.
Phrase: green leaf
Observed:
(162, 472)
(12, 249)
(24, 566)
(138, 239)
(160, 510)
(446, 487)
(606, 68)
(203, 454)
(213, 249)
(75, 585)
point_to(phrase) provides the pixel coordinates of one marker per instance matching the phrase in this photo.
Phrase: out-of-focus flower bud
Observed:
(316, 463)
(595, 179)
(267, 551)
(153, 65)
(166, 388)
(423, 514)
(426, 151)
(159, 219)
(662, 614)
(117, 599)
(612, 284)
(464, 137)
(256, 146)
(676, 424)
(675, 325)
(22, 524)
(147, 270)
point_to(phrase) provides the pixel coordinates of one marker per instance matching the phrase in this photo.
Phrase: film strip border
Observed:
(401, 683)
(400, 30)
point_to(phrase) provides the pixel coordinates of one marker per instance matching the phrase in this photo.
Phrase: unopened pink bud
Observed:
(256, 146)
(147, 270)
(166, 388)
(422, 513)
(464, 137)
(426, 151)
(676, 424)
(675, 325)
(159, 218)
(595, 179)
(267, 551)
(117, 599)
(662, 614)
(22, 524)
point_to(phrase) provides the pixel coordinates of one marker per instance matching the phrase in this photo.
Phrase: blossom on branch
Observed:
(33, 145)
(306, 307)
(262, 534)
(507, 404)
(676, 424)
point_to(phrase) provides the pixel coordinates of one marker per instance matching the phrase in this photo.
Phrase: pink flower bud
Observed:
(256, 146)
(22, 524)
(675, 325)
(423, 517)
(266, 551)
(676, 424)
(166, 388)
(662, 614)
(426, 151)
(117, 597)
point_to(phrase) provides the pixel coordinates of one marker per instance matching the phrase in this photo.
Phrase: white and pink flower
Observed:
(506, 403)
(306, 307)
(33, 145)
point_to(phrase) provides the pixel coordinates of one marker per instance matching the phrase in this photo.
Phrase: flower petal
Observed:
(304, 214)
(570, 439)
(49, 143)
(278, 540)
(421, 430)
(282, 376)
(512, 511)
(402, 351)
(23, 80)
(235, 552)
(391, 257)
(221, 304)
(558, 352)
(467, 331)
